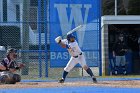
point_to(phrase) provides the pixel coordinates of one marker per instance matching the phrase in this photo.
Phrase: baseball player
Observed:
(119, 50)
(8, 66)
(76, 56)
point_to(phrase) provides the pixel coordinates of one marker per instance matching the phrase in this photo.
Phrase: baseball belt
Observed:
(77, 55)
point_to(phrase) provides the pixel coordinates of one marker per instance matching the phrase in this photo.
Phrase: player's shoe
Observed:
(61, 81)
(94, 80)
(125, 73)
(116, 72)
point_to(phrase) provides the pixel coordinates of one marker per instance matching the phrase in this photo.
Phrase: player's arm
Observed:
(16, 66)
(2, 65)
(59, 41)
(19, 66)
(113, 52)
(62, 45)
(114, 49)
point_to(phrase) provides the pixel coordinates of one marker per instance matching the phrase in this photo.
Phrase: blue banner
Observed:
(68, 14)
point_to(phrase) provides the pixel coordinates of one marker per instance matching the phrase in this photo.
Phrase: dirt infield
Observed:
(125, 84)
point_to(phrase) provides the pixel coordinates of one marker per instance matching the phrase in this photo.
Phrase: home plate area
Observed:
(112, 85)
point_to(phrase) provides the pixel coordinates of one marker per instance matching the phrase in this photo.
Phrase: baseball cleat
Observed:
(61, 81)
(116, 72)
(125, 73)
(94, 80)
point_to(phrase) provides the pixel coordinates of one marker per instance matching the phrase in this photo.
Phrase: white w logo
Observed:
(75, 15)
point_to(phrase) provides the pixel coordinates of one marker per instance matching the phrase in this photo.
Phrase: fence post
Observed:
(25, 36)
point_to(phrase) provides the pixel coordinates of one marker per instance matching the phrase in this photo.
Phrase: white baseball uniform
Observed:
(76, 55)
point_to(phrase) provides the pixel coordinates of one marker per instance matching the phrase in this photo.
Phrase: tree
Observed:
(108, 7)
(134, 7)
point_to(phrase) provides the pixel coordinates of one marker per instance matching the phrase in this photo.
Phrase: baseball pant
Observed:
(73, 61)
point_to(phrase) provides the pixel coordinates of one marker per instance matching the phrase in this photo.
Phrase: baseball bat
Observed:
(75, 29)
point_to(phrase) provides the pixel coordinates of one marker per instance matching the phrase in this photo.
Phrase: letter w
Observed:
(68, 17)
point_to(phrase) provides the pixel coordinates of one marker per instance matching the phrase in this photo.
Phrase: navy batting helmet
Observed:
(70, 36)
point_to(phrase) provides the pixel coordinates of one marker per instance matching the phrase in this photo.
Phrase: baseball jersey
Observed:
(73, 47)
(119, 47)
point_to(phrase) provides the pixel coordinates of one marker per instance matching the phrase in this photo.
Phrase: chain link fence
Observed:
(24, 26)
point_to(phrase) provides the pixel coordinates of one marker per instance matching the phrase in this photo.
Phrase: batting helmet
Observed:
(70, 36)
(12, 50)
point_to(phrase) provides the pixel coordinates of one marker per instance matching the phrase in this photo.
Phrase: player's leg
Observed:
(89, 71)
(65, 73)
(123, 65)
(17, 77)
(69, 66)
(82, 62)
(117, 64)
